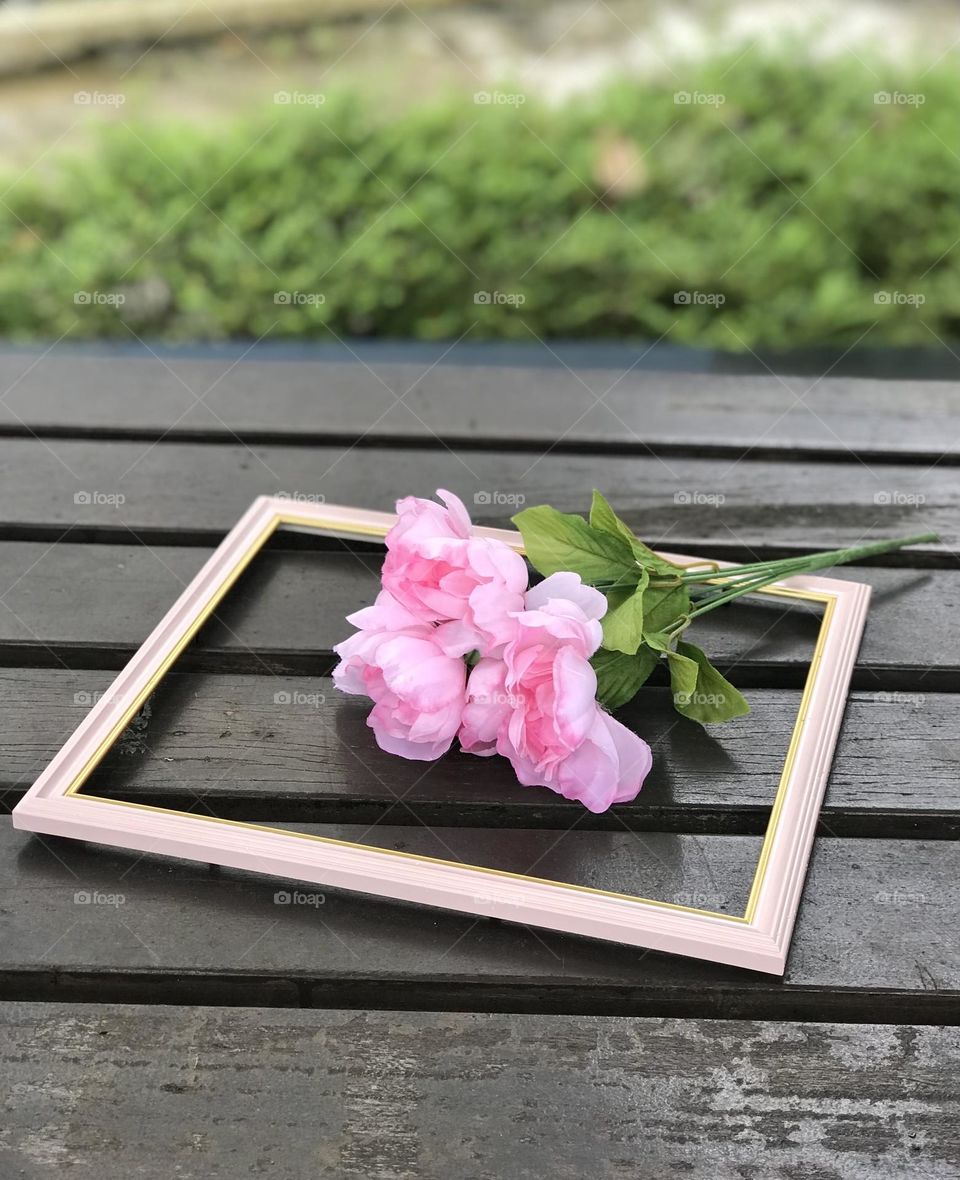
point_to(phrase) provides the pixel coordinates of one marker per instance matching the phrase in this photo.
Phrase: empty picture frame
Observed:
(758, 939)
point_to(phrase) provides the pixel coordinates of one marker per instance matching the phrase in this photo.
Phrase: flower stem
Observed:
(744, 579)
(808, 562)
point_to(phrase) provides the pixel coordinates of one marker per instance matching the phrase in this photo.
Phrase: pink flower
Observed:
(441, 573)
(537, 706)
(418, 691)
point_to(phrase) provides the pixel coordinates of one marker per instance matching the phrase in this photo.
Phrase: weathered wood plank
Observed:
(170, 491)
(93, 605)
(876, 935)
(690, 413)
(106, 1092)
(294, 749)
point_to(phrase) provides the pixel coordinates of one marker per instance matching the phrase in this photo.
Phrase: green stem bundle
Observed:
(746, 579)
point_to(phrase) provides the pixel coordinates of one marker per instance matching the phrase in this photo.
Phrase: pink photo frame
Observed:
(758, 939)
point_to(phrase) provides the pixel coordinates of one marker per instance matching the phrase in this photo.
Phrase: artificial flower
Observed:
(537, 705)
(442, 573)
(417, 689)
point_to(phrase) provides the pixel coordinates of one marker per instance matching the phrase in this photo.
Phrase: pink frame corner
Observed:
(758, 939)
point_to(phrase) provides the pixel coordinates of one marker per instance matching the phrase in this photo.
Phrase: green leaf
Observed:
(603, 517)
(658, 640)
(623, 622)
(699, 691)
(558, 541)
(683, 680)
(619, 676)
(663, 606)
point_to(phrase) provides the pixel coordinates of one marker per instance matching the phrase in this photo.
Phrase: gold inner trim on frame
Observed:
(336, 528)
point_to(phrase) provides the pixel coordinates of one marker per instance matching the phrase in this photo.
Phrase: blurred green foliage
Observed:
(799, 200)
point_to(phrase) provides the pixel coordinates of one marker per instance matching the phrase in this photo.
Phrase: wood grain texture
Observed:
(507, 408)
(876, 935)
(93, 605)
(731, 467)
(721, 505)
(104, 1093)
(293, 748)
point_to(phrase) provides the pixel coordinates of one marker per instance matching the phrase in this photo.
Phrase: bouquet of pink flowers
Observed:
(459, 645)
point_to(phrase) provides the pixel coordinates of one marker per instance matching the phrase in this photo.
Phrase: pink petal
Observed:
(634, 757)
(568, 586)
(459, 517)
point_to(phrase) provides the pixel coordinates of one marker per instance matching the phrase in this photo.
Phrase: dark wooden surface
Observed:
(767, 504)
(532, 409)
(163, 1019)
(199, 1092)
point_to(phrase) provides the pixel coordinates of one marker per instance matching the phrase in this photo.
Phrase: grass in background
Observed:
(798, 210)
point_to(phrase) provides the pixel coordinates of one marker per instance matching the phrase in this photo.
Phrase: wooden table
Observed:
(190, 1027)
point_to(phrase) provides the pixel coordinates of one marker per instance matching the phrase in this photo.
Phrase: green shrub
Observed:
(799, 201)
